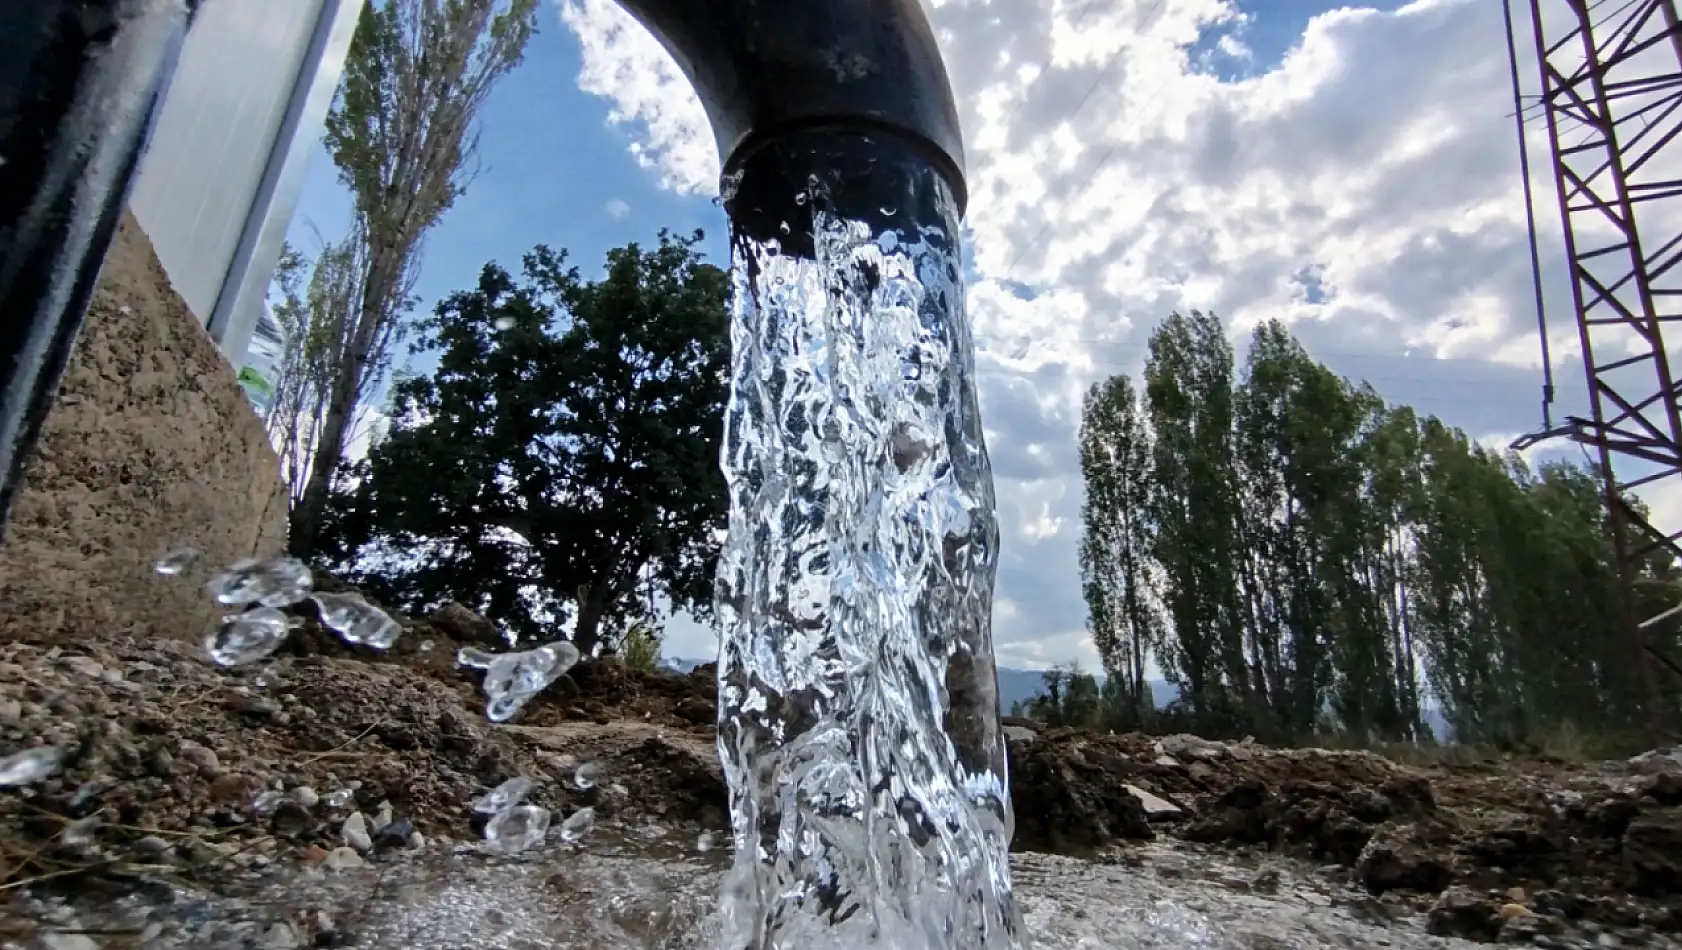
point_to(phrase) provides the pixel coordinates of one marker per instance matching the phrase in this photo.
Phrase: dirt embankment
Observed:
(169, 757)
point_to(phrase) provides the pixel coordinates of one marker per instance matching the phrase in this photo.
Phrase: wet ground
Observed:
(166, 760)
(650, 887)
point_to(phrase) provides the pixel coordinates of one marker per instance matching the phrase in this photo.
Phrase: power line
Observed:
(1102, 161)
(1034, 83)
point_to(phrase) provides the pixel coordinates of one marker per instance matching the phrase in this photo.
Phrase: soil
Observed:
(167, 755)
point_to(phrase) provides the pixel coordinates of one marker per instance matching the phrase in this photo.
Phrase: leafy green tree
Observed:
(563, 459)
(401, 132)
(1193, 506)
(1117, 572)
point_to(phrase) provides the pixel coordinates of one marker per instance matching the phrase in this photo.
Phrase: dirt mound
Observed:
(1479, 844)
(170, 760)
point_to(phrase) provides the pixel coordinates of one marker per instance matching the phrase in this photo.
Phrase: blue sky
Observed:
(552, 169)
(1347, 169)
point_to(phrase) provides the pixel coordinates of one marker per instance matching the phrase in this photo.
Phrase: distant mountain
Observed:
(1015, 686)
(1018, 686)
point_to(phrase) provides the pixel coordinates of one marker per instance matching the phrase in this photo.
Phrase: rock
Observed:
(343, 859)
(1184, 747)
(84, 666)
(1652, 853)
(1521, 925)
(1155, 808)
(355, 832)
(306, 796)
(1019, 734)
(235, 788)
(1414, 856)
(279, 936)
(58, 941)
(1461, 912)
(203, 758)
(394, 834)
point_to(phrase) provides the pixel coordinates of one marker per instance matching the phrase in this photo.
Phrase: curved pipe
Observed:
(852, 88)
(767, 68)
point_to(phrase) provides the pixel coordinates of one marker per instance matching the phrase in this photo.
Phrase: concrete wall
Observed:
(151, 446)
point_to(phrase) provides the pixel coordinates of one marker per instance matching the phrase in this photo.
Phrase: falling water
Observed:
(858, 711)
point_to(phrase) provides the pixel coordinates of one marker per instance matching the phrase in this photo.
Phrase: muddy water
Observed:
(649, 887)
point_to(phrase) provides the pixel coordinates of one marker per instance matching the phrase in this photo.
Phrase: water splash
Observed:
(514, 679)
(858, 712)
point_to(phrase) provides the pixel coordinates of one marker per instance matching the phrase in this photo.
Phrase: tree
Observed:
(563, 459)
(401, 133)
(1193, 506)
(1117, 574)
(311, 314)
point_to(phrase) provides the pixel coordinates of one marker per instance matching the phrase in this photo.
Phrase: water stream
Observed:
(858, 721)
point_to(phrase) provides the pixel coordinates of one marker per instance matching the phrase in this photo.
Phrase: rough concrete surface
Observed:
(151, 446)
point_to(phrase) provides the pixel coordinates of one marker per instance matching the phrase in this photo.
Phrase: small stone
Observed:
(85, 666)
(152, 846)
(393, 834)
(382, 817)
(209, 765)
(233, 787)
(306, 796)
(58, 941)
(355, 832)
(279, 936)
(343, 859)
(417, 841)
(1509, 911)
(1155, 807)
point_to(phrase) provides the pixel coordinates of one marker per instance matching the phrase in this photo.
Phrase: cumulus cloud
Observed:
(617, 209)
(1130, 157)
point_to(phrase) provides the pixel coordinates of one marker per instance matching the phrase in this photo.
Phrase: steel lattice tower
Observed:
(1611, 100)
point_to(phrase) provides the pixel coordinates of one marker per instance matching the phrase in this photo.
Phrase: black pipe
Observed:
(767, 68)
(79, 83)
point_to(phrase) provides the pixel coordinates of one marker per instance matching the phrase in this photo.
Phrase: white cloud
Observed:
(1363, 186)
(617, 209)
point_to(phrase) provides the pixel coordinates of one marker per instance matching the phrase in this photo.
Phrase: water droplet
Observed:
(267, 801)
(705, 842)
(504, 323)
(248, 637)
(587, 775)
(279, 582)
(504, 796)
(785, 228)
(29, 766)
(357, 621)
(800, 198)
(339, 798)
(578, 824)
(518, 828)
(890, 210)
(176, 562)
(512, 679)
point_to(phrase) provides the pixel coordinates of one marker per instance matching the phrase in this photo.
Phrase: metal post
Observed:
(79, 82)
(1611, 95)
